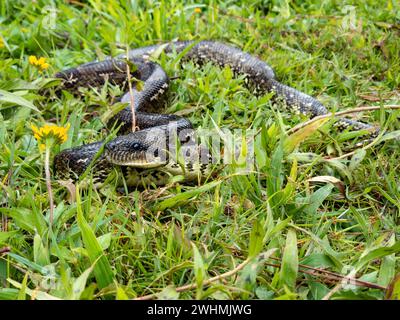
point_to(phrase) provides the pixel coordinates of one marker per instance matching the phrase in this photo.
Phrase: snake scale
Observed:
(139, 153)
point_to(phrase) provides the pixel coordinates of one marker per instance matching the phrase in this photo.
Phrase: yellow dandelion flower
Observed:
(41, 60)
(40, 63)
(197, 10)
(47, 136)
(55, 133)
(44, 66)
(1, 43)
(32, 60)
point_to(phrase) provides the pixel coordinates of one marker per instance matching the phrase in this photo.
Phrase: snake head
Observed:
(141, 149)
(72, 163)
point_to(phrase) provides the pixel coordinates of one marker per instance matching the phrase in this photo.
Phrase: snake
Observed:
(143, 155)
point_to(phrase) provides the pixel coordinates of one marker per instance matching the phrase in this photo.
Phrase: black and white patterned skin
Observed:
(71, 163)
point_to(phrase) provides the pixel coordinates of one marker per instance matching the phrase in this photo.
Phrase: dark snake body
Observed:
(128, 149)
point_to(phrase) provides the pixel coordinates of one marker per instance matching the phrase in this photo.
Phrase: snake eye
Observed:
(136, 146)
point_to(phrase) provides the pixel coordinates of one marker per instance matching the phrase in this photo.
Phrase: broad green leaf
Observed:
(287, 296)
(104, 240)
(377, 254)
(318, 260)
(292, 141)
(356, 159)
(31, 265)
(332, 254)
(290, 262)
(80, 283)
(157, 53)
(15, 99)
(36, 294)
(318, 290)
(387, 269)
(168, 293)
(40, 251)
(184, 51)
(369, 277)
(8, 294)
(26, 219)
(260, 153)
(272, 230)
(199, 270)
(342, 169)
(256, 239)
(5, 235)
(351, 135)
(276, 167)
(362, 222)
(274, 176)
(291, 183)
(390, 135)
(113, 110)
(247, 279)
(90, 292)
(183, 196)
(315, 200)
(21, 117)
(121, 294)
(264, 293)
(352, 295)
(393, 291)
(18, 84)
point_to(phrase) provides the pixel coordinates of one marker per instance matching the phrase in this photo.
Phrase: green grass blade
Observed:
(22, 290)
(102, 269)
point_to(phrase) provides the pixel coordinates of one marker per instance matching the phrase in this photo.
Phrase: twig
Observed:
(132, 99)
(6, 181)
(333, 291)
(350, 153)
(48, 183)
(174, 78)
(77, 3)
(205, 283)
(355, 281)
(337, 276)
(330, 114)
(328, 275)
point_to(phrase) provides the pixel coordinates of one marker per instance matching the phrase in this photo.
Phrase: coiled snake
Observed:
(142, 154)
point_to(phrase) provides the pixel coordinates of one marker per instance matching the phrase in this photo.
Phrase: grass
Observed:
(274, 233)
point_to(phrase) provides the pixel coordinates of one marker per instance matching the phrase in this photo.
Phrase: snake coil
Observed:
(130, 150)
